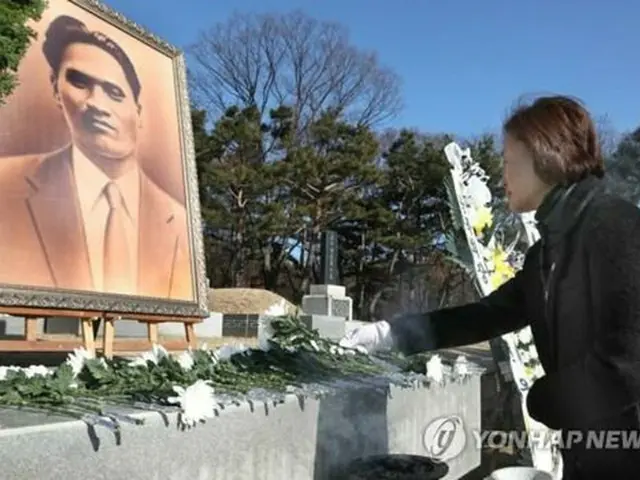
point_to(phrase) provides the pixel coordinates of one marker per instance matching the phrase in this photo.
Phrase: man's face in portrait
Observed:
(97, 102)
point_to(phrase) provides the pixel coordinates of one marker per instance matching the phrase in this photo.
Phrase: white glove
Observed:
(375, 337)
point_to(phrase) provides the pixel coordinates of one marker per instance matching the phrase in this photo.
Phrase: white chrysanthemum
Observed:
(227, 351)
(314, 345)
(211, 352)
(78, 358)
(157, 353)
(478, 192)
(336, 350)
(196, 402)
(461, 366)
(4, 371)
(538, 371)
(361, 349)
(265, 330)
(265, 333)
(186, 360)
(204, 347)
(31, 371)
(524, 336)
(435, 370)
(278, 309)
(37, 370)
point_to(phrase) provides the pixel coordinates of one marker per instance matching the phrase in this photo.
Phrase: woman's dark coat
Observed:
(579, 290)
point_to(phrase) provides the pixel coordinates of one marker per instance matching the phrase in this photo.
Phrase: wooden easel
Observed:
(87, 318)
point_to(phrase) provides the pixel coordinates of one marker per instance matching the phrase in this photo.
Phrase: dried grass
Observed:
(245, 301)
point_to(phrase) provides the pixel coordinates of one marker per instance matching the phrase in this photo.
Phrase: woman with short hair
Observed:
(579, 290)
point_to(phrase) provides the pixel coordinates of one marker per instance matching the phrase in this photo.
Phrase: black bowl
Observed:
(394, 467)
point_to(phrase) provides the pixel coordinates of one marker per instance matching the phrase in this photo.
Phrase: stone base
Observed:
(329, 300)
(333, 328)
(299, 439)
(326, 305)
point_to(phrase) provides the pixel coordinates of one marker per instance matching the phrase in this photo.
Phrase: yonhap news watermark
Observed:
(447, 437)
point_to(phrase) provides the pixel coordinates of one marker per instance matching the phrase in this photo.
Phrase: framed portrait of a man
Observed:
(99, 202)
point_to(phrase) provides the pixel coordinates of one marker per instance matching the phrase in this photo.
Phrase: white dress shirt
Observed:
(90, 184)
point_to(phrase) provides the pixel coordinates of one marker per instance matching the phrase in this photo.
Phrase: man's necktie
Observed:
(117, 262)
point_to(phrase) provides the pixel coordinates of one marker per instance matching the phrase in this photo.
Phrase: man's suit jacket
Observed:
(42, 241)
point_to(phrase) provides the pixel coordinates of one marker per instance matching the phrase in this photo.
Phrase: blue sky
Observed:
(463, 63)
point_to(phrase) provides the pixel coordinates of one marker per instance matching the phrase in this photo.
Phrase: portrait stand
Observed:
(57, 176)
(88, 340)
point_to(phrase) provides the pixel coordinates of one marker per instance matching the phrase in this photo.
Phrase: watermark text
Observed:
(447, 437)
(545, 440)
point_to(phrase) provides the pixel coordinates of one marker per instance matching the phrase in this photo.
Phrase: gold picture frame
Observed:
(40, 297)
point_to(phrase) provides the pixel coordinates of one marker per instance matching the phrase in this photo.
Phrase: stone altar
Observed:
(298, 439)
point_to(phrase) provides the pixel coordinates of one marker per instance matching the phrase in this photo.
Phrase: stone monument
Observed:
(327, 307)
(329, 273)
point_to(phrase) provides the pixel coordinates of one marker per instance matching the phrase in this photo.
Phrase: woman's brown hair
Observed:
(561, 136)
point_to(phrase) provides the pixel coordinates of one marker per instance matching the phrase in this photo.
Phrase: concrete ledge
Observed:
(310, 439)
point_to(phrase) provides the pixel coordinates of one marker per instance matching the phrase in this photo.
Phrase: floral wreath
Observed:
(484, 254)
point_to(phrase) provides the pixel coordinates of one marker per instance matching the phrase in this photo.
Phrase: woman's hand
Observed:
(375, 337)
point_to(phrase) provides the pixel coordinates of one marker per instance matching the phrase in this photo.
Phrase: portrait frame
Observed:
(26, 297)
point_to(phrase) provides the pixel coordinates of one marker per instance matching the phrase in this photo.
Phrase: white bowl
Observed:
(520, 473)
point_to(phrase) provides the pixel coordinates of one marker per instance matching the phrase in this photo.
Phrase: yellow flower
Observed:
(483, 219)
(502, 270)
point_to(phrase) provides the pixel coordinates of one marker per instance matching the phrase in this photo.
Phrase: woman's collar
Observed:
(562, 205)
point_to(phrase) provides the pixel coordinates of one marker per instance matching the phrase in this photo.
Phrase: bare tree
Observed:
(607, 135)
(294, 60)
